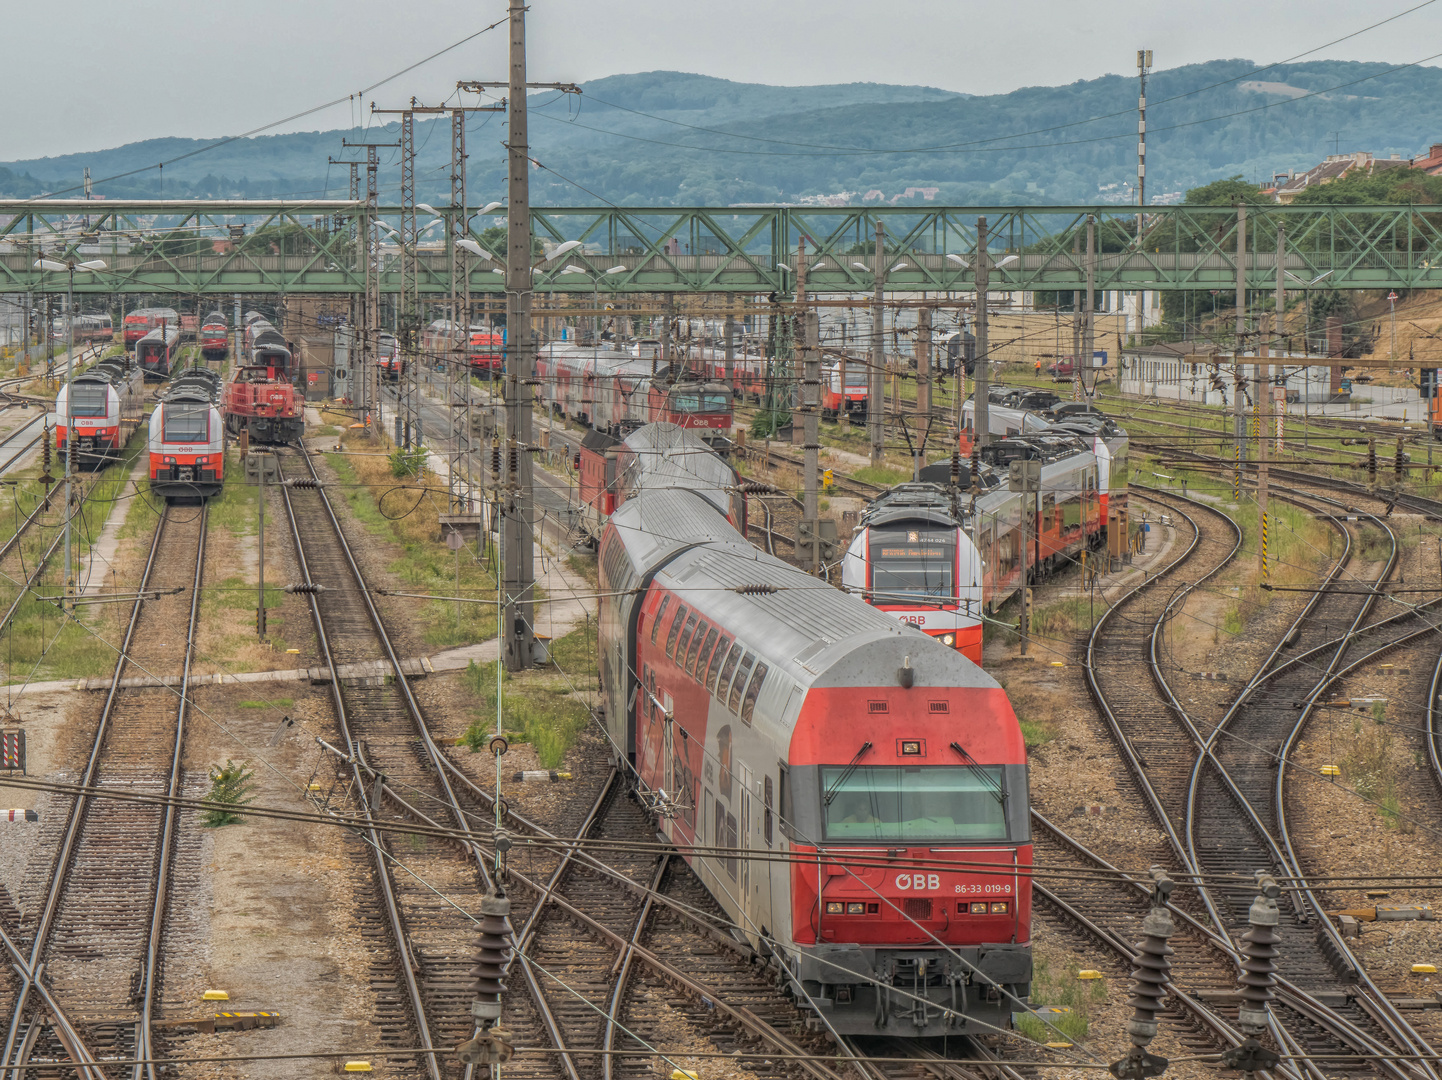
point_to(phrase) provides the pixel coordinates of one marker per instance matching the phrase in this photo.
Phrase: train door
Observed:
(743, 811)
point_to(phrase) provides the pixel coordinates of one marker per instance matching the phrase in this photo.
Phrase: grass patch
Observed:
(1035, 732)
(544, 707)
(1059, 988)
(404, 512)
(278, 703)
(882, 476)
(584, 566)
(1370, 770)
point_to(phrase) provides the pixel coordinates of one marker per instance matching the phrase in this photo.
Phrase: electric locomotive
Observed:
(878, 777)
(214, 336)
(103, 406)
(158, 352)
(187, 438)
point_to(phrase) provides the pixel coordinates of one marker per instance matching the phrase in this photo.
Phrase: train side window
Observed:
(753, 691)
(768, 794)
(717, 659)
(660, 612)
(737, 687)
(705, 655)
(696, 639)
(727, 669)
(675, 629)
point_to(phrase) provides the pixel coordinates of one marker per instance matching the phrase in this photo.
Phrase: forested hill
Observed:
(674, 138)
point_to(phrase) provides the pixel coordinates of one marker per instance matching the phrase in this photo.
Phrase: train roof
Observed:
(162, 333)
(193, 384)
(163, 312)
(665, 455)
(216, 317)
(912, 502)
(806, 631)
(107, 371)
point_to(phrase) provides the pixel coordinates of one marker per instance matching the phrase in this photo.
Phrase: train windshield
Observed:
(857, 377)
(87, 399)
(693, 401)
(187, 422)
(913, 804)
(911, 564)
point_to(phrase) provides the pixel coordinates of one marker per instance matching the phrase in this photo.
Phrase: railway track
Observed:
(92, 972)
(1215, 825)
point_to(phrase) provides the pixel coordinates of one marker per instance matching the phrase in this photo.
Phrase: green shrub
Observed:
(230, 787)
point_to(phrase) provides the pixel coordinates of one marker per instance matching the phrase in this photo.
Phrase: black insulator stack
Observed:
(1259, 958)
(956, 468)
(1372, 460)
(495, 954)
(1398, 461)
(496, 458)
(1150, 976)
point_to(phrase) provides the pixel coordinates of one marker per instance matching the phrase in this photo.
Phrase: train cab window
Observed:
(717, 659)
(753, 691)
(186, 422)
(694, 402)
(913, 804)
(697, 639)
(675, 629)
(911, 563)
(742, 670)
(705, 655)
(660, 613)
(88, 399)
(723, 682)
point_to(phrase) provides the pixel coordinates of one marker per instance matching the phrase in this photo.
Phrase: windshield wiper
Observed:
(997, 791)
(831, 791)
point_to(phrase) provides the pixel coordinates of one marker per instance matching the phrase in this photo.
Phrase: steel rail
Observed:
(23, 450)
(66, 854)
(150, 972)
(621, 969)
(367, 799)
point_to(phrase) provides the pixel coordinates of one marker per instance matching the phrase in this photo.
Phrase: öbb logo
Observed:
(918, 882)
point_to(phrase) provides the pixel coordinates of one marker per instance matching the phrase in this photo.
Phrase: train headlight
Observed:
(856, 909)
(948, 639)
(999, 908)
(979, 908)
(835, 907)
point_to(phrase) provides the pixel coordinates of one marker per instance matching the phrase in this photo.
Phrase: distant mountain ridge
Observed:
(667, 137)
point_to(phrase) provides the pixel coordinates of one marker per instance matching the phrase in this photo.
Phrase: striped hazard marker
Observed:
(22, 815)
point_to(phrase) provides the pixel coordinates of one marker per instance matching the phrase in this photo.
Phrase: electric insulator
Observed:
(72, 448)
(1259, 958)
(495, 954)
(306, 483)
(756, 590)
(1149, 977)
(1398, 460)
(956, 468)
(1372, 460)
(496, 458)
(308, 588)
(512, 458)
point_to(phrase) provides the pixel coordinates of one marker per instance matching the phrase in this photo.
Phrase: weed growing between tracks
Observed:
(1060, 988)
(538, 707)
(398, 512)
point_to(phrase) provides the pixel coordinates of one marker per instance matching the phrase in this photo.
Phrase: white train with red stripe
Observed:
(103, 407)
(852, 793)
(187, 438)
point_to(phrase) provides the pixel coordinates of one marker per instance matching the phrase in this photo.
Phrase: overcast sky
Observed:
(96, 73)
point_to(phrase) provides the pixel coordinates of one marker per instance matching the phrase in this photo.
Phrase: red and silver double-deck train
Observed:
(852, 792)
(933, 556)
(616, 392)
(140, 322)
(214, 336)
(484, 349)
(187, 438)
(611, 470)
(158, 352)
(103, 407)
(260, 397)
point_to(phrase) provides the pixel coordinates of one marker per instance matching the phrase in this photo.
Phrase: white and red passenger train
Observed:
(187, 438)
(616, 392)
(103, 407)
(852, 793)
(942, 561)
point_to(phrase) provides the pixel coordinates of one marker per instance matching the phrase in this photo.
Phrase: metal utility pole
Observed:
(235, 359)
(1239, 424)
(876, 387)
(1144, 63)
(1077, 384)
(518, 572)
(371, 308)
(1264, 391)
(730, 333)
(981, 403)
(923, 390)
(410, 284)
(462, 490)
(811, 410)
(1088, 314)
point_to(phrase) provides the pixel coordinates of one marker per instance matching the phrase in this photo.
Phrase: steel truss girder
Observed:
(716, 249)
